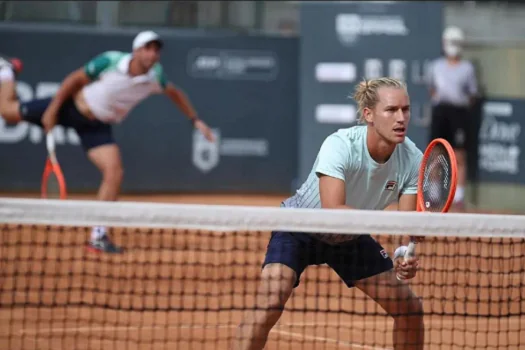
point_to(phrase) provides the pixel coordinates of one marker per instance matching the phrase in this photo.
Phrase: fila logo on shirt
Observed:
(391, 185)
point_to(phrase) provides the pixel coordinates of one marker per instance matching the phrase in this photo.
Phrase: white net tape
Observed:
(246, 218)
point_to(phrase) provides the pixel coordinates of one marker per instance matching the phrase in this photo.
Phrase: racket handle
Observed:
(410, 251)
(50, 142)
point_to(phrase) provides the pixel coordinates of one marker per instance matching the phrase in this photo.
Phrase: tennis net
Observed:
(191, 272)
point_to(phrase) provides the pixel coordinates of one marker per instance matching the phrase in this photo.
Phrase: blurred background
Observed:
(272, 78)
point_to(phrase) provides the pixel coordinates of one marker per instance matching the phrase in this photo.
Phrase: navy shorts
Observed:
(451, 123)
(353, 260)
(92, 133)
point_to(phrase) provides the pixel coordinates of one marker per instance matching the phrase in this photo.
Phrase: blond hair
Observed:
(366, 93)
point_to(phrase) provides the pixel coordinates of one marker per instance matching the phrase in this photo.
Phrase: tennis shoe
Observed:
(104, 245)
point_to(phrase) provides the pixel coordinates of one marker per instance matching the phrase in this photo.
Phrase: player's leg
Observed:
(364, 263)
(104, 153)
(108, 161)
(459, 118)
(277, 282)
(9, 105)
(286, 258)
(398, 300)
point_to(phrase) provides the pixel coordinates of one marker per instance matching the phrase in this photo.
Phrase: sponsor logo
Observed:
(391, 185)
(334, 72)
(350, 26)
(335, 114)
(232, 64)
(499, 135)
(206, 155)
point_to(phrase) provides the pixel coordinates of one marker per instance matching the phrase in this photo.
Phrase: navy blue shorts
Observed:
(92, 133)
(353, 260)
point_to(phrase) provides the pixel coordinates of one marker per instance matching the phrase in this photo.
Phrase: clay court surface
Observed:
(185, 290)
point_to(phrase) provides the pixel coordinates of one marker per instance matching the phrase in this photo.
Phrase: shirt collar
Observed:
(123, 66)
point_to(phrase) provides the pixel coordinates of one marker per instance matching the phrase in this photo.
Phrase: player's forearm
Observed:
(182, 101)
(70, 86)
(338, 206)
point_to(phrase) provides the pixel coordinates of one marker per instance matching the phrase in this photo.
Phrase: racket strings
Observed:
(53, 187)
(437, 179)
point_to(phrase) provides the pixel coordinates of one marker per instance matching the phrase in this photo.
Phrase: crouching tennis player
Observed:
(370, 167)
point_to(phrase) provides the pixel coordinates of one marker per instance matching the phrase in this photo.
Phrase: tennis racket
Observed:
(53, 183)
(436, 184)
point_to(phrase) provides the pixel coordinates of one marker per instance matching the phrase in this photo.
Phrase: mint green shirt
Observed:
(369, 185)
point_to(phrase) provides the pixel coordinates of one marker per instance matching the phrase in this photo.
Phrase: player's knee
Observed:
(269, 309)
(9, 112)
(410, 310)
(276, 286)
(270, 313)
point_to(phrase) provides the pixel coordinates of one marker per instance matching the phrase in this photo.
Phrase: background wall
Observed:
(495, 42)
(243, 87)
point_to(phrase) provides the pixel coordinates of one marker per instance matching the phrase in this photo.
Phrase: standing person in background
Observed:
(453, 90)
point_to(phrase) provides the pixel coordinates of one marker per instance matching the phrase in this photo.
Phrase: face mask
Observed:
(452, 50)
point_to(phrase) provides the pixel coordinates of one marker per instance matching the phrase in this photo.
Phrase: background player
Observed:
(370, 167)
(95, 96)
(453, 89)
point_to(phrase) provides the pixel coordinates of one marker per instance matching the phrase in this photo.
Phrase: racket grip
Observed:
(411, 250)
(50, 142)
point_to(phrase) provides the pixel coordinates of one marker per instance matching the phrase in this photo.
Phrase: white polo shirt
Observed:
(113, 92)
(453, 84)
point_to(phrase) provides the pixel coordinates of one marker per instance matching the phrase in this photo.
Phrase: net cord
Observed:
(226, 218)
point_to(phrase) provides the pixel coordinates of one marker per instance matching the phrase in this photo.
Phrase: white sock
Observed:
(460, 194)
(98, 232)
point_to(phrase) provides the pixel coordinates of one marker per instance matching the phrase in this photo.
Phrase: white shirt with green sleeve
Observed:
(369, 185)
(113, 93)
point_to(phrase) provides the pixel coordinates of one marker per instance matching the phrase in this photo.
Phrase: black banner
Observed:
(341, 43)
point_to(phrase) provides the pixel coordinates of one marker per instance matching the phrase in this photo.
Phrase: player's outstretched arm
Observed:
(69, 87)
(181, 100)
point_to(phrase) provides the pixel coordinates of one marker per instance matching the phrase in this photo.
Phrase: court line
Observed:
(327, 340)
(34, 332)
(457, 322)
(277, 327)
(117, 329)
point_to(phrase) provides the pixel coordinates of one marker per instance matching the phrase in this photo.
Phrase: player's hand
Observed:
(49, 121)
(205, 130)
(406, 270)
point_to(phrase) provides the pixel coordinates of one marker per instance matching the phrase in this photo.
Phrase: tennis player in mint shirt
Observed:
(374, 167)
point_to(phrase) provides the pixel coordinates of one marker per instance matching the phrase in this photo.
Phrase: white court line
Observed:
(117, 329)
(277, 327)
(428, 321)
(328, 340)
(35, 332)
